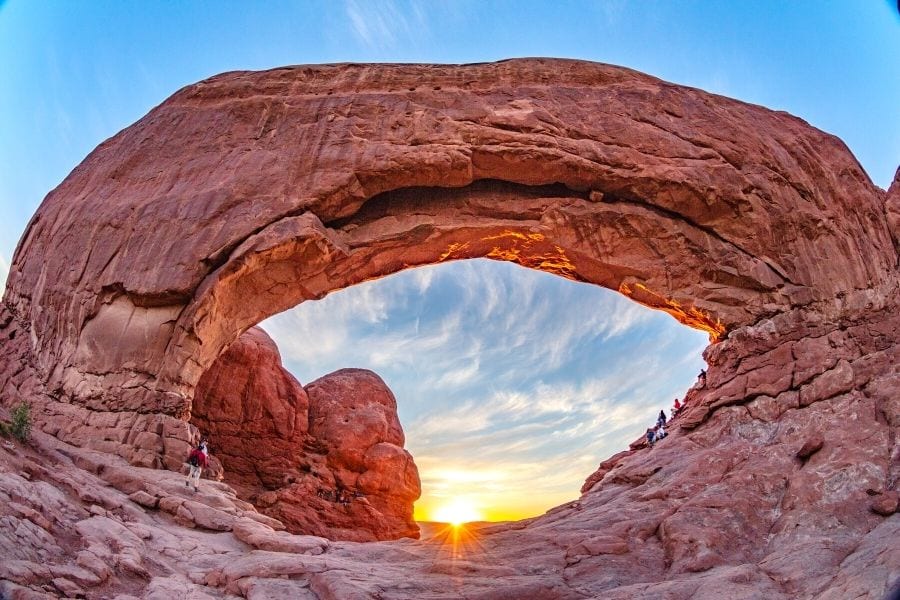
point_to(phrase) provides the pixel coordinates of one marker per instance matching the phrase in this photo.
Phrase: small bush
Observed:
(20, 423)
(4, 429)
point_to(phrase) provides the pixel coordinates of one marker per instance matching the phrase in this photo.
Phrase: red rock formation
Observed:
(142, 266)
(358, 483)
(308, 179)
(785, 461)
(327, 461)
(254, 412)
(893, 207)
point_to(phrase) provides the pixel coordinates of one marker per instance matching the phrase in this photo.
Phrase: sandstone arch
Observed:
(249, 192)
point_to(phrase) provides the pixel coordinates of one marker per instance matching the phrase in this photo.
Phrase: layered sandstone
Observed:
(304, 180)
(327, 461)
(248, 193)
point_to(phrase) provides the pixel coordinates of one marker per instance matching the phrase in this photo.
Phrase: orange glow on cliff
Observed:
(527, 249)
(690, 315)
(454, 248)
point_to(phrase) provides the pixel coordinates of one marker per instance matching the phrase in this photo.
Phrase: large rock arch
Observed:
(249, 192)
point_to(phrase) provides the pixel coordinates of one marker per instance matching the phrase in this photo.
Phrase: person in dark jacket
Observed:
(198, 459)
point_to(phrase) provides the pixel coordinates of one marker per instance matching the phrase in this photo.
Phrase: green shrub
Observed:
(4, 429)
(20, 422)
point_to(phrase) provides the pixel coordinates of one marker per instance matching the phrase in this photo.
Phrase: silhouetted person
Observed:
(701, 379)
(661, 420)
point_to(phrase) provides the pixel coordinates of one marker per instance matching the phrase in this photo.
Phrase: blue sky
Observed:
(511, 384)
(74, 73)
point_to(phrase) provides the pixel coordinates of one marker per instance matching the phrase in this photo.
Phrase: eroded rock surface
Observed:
(247, 193)
(254, 411)
(327, 460)
(142, 266)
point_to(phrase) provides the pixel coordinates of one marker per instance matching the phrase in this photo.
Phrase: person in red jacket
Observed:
(197, 460)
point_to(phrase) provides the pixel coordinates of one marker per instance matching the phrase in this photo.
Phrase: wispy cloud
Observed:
(507, 374)
(386, 24)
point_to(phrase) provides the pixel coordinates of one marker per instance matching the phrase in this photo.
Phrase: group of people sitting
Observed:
(658, 432)
(654, 434)
(341, 496)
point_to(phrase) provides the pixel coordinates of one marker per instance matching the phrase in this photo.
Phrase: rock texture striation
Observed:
(327, 461)
(247, 193)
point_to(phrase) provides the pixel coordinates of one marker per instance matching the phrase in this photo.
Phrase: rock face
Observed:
(254, 411)
(893, 207)
(327, 461)
(784, 488)
(248, 193)
(305, 180)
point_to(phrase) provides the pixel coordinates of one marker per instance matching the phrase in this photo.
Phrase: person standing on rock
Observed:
(197, 460)
(661, 421)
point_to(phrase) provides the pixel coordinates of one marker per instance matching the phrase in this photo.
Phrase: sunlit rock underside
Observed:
(247, 193)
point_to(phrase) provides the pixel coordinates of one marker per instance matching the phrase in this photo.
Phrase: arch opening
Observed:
(485, 358)
(650, 255)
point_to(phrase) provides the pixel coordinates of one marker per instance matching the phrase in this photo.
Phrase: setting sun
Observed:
(458, 511)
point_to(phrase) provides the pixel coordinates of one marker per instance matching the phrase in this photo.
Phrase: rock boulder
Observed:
(254, 412)
(327, 460)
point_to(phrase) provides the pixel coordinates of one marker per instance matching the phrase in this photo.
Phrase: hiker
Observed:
(651, 437)
(661, 420)
(660, 432)
(701, 379)
(676, 408)
(198, 459)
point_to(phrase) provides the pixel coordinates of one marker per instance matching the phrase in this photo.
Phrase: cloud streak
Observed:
(511, 375)
(381, 25)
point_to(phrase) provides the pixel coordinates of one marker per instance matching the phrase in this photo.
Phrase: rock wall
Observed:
(327, 460)
(247, 193)
(781, 472)
(254, 412)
